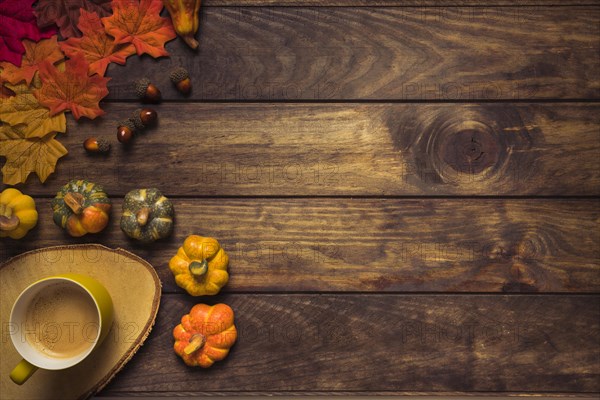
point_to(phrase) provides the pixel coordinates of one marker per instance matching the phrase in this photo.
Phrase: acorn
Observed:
(181, 79)
(96, 146)
(143, 118)
(125, 131)
(148, 116)
(146, 91)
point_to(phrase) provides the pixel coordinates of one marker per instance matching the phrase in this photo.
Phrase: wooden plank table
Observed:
(408, 192)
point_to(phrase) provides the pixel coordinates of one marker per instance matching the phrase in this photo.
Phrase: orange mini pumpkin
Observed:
(81, 207)
(205, 335)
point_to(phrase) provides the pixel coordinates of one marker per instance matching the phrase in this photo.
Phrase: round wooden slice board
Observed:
(135, 290)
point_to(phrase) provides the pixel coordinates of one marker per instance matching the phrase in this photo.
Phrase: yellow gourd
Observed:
(17, 214)
(184, 14)
(200, 266)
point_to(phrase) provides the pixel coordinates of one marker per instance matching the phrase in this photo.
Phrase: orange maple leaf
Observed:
(140, 24)
(98, 48)
(72, 89)
(35, 53)
(5, 93)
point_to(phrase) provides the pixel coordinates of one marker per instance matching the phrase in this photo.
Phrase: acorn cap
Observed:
(141, 86)
(103, 145)
(136, 120)
(179, 74)
(128, 123)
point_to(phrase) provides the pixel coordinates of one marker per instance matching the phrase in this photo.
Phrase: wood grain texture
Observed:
(470, 53)
(395, 3)
(384, 343)
(343, 149)
(360, 395)
(340, 284)
(374, 245)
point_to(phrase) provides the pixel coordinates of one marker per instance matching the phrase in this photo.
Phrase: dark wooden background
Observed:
(408, 191)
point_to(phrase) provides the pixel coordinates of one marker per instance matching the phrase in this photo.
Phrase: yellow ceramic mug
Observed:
(57, 322)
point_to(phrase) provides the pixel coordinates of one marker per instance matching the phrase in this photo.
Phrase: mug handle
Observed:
(22, 372)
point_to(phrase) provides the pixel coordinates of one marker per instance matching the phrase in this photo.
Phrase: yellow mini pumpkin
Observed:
(200, 266)
(17, 214)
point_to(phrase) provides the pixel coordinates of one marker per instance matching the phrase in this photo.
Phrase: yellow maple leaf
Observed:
(25, 109)
(25, 155)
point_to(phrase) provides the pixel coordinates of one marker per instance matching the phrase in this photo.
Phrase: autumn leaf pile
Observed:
(43, 74)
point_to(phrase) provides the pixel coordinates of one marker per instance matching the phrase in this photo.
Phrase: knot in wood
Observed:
(474, 148)
(470, 151)
(521, 279)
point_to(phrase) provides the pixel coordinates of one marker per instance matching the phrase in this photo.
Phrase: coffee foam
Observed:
(62, 321)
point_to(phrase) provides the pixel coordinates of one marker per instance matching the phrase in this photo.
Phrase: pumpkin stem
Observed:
(196, 343)
(198, 268)
(8, 224)
(191, 41)
(142, 216)
(75, 202)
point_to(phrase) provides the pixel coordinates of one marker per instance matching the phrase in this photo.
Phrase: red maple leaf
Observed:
(98, 48)
(65, 13)
(17, 22)
(140, 23)
(72, 89)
